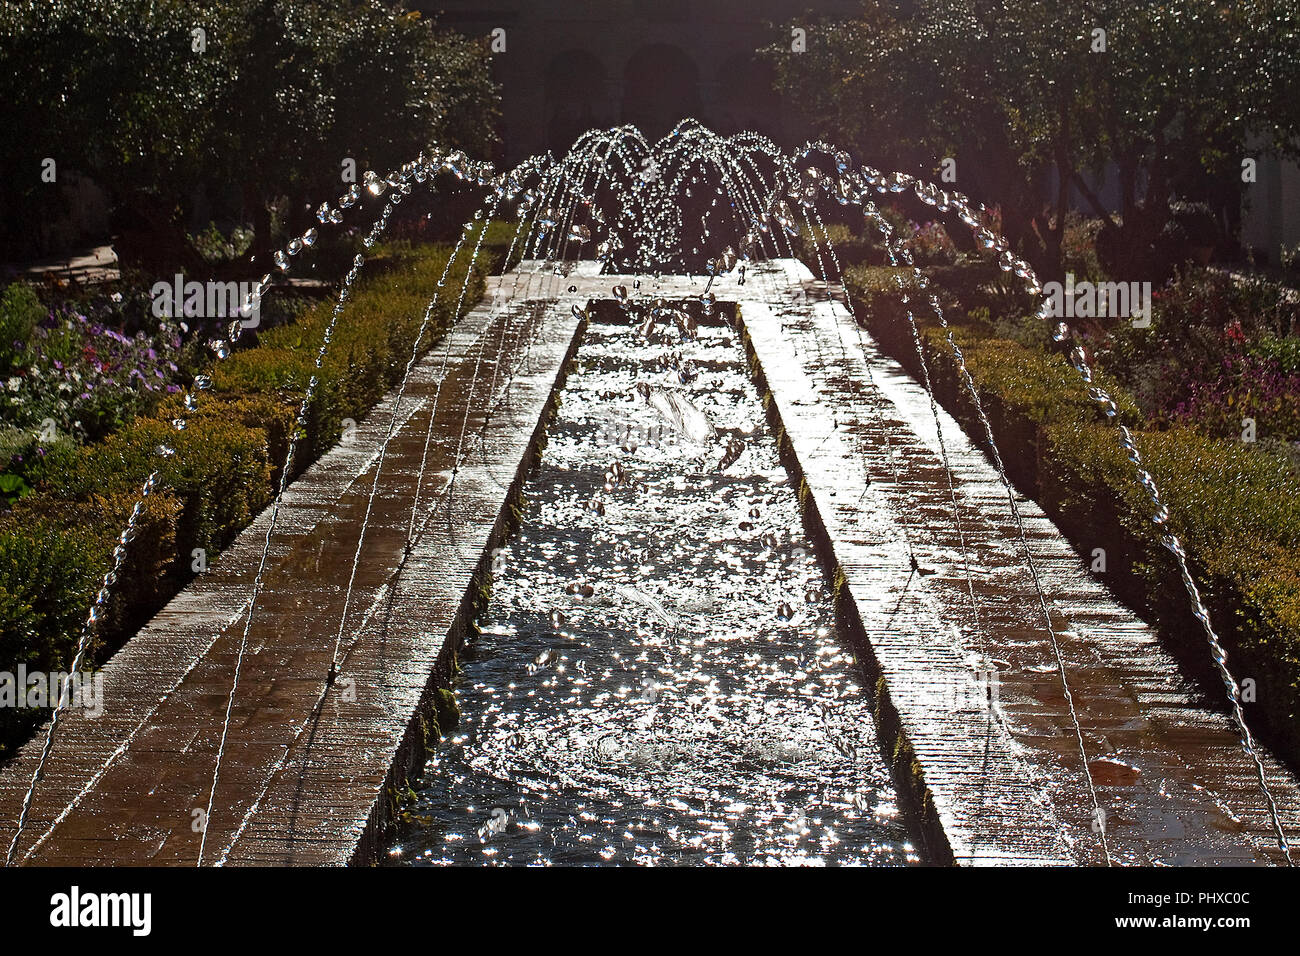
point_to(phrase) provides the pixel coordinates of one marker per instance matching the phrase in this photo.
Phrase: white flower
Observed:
(15, 383)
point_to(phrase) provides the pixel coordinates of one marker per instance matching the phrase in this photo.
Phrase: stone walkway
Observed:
(308, 767)
(1172, 781)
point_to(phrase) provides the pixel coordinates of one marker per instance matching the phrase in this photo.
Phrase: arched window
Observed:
(577, 98)
(747, 97)
(661, 85)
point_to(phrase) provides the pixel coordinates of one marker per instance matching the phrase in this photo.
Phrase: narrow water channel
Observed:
(659, 678)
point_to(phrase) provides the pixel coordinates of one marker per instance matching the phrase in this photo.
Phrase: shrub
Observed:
(1041, 386)
(1289, 259)
(46, 574)
(850, 248)
(970, 284)
(931, 244)
(216, 247)
(20, 310)
(1191, 226)
(1237, 510)
(879, 290)
(1236, 506)
(1079, 248)
(56, 543)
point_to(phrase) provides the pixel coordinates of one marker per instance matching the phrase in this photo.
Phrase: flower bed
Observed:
(56, 542)
(1222, 355)
(1236, 506)
(69, 375)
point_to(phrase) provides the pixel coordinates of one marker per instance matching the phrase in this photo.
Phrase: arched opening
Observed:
(661, 85)
(577, 98)
(663, 11)
(747, 97)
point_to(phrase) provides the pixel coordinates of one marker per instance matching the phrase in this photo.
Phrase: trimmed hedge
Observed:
(1236, 507)
(851, 248)
(57, 542)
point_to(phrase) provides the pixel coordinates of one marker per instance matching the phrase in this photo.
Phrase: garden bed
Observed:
(56, 542)
(1235, 506)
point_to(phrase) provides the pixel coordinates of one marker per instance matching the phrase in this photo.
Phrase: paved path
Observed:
(306, 768)
(97, 264)
(1171, 778)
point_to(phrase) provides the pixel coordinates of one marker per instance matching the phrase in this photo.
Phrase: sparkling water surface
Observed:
(658, 678)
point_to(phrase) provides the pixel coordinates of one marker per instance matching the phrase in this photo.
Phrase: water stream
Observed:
(658, 678)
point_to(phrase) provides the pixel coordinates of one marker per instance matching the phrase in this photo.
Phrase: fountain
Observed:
(661, 690)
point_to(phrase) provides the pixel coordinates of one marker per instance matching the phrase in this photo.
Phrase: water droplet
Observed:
(545, 659)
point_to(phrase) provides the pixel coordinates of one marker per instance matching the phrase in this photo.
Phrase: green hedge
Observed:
(57, 542)
(851, 248)
(1236, 507)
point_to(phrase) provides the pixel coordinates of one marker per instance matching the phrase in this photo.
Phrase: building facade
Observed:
(566, 66)
(570, 65)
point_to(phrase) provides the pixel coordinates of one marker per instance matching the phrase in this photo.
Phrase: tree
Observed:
(311, 86)
(102, 88)
(1018, 89)
(156, 100)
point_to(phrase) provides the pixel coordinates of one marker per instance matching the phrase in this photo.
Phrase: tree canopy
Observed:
(1027, 95)
(261, 97)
